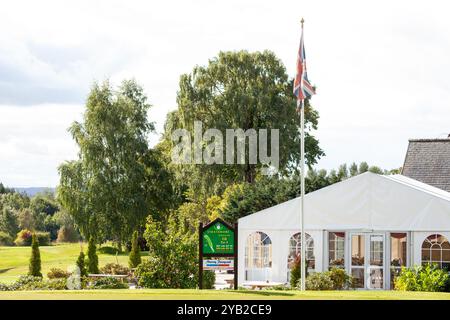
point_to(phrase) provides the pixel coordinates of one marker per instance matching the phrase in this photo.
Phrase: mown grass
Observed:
(191, 294)
(14, 260)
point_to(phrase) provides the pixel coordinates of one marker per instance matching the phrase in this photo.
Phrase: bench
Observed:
(261, 284)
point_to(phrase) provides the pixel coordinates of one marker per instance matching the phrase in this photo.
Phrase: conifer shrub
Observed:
(135, 253)
(35, 260)
(92, 265)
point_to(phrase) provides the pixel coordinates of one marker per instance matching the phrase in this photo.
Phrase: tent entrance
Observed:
(367, 260)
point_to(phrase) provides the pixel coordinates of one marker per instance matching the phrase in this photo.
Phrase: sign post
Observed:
(217, 239)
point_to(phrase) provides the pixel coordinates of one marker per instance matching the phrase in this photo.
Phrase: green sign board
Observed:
(218, 238)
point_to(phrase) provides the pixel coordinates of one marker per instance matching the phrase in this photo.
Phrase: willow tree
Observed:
(247, 91)
(105, 189)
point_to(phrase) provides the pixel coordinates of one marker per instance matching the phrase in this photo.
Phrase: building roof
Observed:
(428, 161)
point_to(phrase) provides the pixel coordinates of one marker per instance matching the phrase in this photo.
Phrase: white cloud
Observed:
(381, 68)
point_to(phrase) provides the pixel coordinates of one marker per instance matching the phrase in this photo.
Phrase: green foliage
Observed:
(335, 279)
(135, 254)
(115, 268)
(107, 283)
(422, 278)
(319, 281)
(5, 239)
(295, 272)
(56, 273)
(44, 202)
(24, 238)
(81, 264)
(67, 234)
(108, 250)
(9, 222)
(209, 278)
(106, 189)
(35, 260)
(247, 90)
(172, 259)
(92, 257)
(341, 280)
(35, 283)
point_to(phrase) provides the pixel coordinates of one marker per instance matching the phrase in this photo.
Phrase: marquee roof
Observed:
(364, 202)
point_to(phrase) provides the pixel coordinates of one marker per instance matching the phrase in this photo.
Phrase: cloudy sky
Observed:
(381, 69)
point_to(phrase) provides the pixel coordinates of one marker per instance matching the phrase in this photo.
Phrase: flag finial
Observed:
(302, 21)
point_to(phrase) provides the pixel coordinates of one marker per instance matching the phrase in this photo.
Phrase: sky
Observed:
(381, 69)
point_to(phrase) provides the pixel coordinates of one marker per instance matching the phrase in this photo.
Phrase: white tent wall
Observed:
(365, 203)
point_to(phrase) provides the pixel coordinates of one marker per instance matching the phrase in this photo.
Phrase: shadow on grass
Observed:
(266, 293)
(5, 270)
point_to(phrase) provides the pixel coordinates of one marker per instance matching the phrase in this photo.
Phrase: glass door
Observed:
(375, 268)
(357, 261)
(367, 260)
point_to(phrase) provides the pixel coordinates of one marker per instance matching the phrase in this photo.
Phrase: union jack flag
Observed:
(302, 88)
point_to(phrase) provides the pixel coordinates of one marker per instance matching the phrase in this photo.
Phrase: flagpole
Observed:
(302, 186)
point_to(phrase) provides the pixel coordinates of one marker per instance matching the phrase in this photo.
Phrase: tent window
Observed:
(436, 250)
(295, 250)
(336, 247)
(258, 251)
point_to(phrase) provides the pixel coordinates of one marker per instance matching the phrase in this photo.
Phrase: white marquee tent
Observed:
(370, 224)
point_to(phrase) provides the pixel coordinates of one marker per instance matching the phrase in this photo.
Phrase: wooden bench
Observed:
(262, 284)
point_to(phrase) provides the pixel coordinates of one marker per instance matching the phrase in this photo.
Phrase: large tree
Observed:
(105, 189)
(247, 91)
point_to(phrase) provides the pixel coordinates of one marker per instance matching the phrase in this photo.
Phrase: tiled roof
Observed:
(428, 161)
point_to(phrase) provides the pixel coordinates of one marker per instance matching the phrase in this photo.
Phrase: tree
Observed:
(9, 222)
(135, 253)
(35, 260)
(44, 202)
(247, 91)
(92, 257)
(105, 189)
(82, 265)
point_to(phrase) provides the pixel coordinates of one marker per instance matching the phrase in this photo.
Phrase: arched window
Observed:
(258, 256)
(436, 249)
(295, 250)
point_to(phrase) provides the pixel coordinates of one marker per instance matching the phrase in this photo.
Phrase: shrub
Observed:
(319, 281)
(5, 239)
(115, 268)
(422, 278)
(56, 273)
(341, 280)
(82, 265)
(35, 260)
(37, 283)
(108, 283)
(4, 287)
(24, 238)
(67, 234)
(209, 278)
(135, 254)
(108, 250)
(92, 257)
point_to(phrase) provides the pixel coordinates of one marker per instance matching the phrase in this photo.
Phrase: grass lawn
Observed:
(14, 260)
(180, 294)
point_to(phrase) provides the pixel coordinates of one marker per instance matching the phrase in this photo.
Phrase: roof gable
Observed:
(428, 161)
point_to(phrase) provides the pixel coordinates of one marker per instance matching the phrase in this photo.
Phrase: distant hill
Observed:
(32, 191)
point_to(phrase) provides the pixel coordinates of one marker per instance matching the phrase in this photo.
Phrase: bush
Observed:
(108, 283)
(67, 234)
(108, 250)
(209, 278)
(319, 281)
(56, 273)
(92, 257)
(4, 287)
(5, 239)
(115, 268)
(341, 280)
(135, 254)
(422, 278)
(37, 283)
(35, 260)
(24, 238)
(82, 265)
